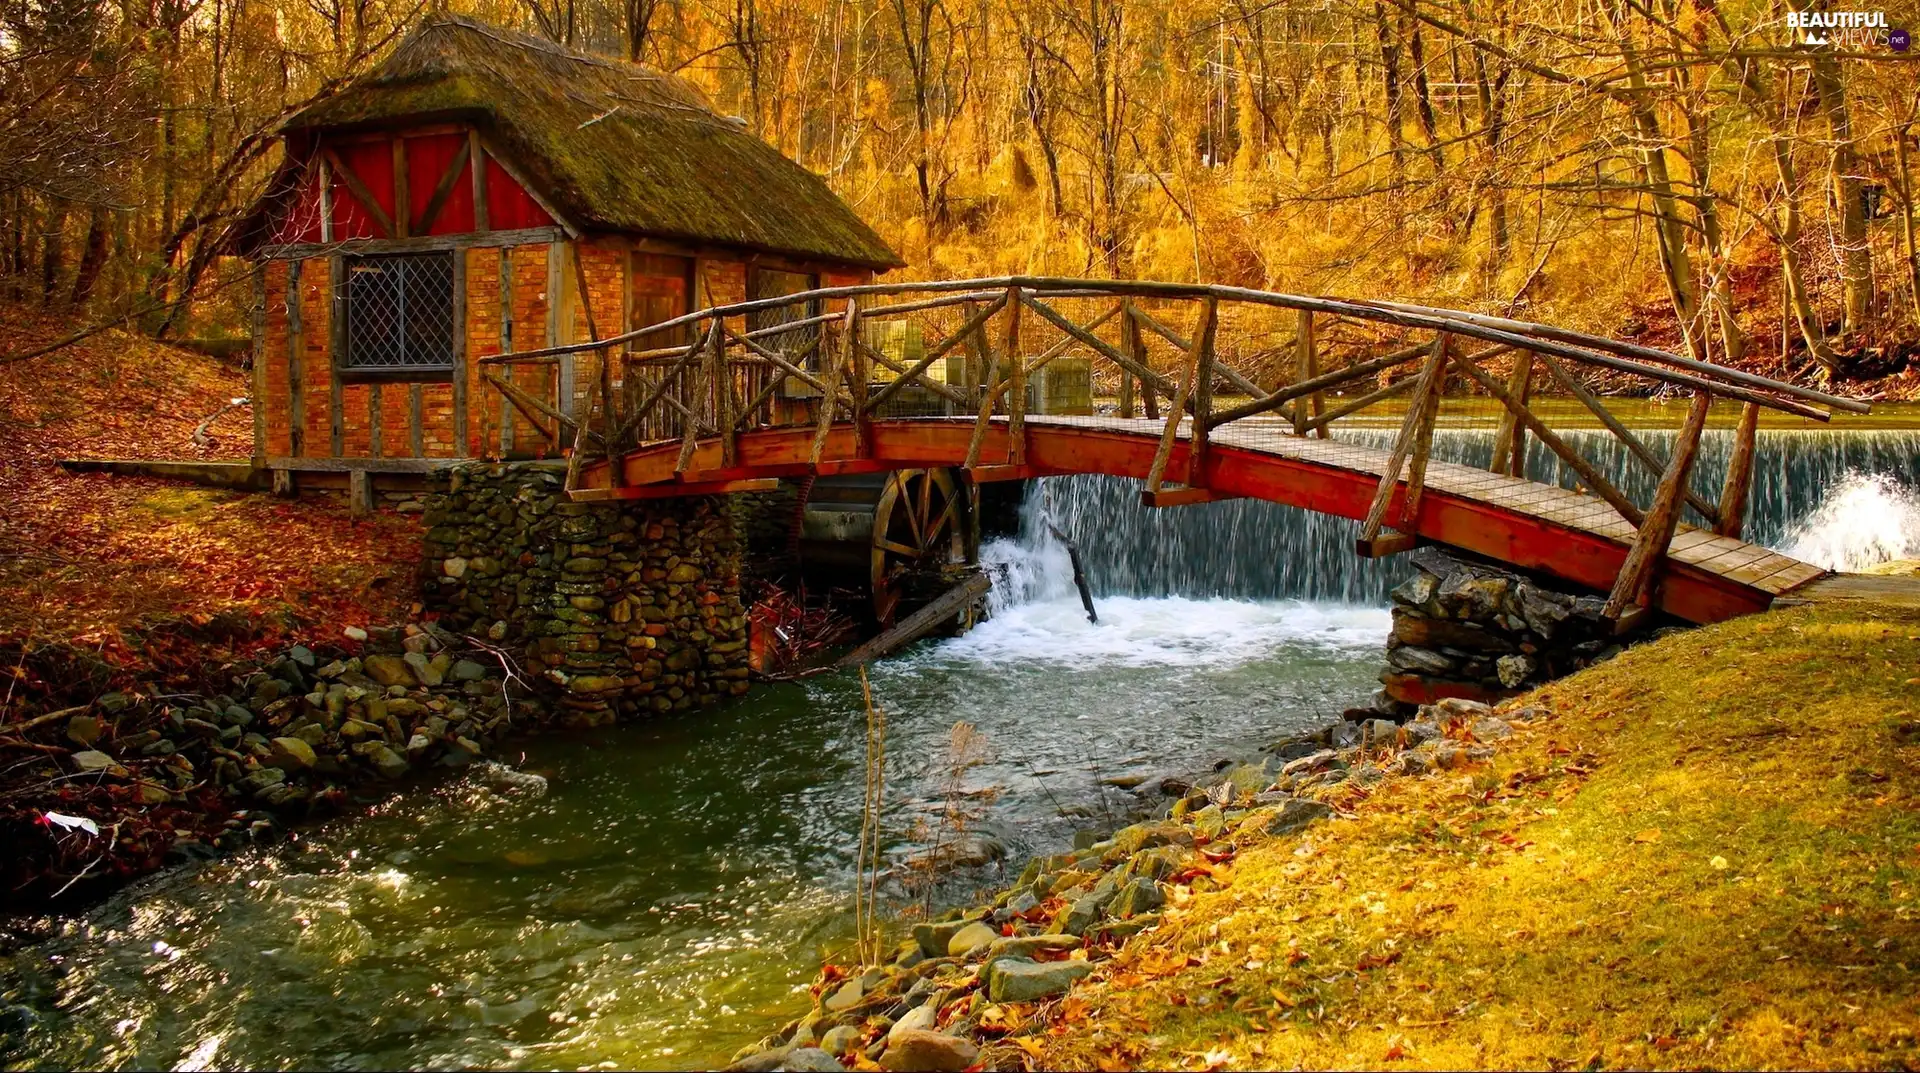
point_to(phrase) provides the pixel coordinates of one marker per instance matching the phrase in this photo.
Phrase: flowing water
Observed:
(657, 906)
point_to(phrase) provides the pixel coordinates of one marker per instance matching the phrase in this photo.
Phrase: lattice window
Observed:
(774, 283)
(399, 313)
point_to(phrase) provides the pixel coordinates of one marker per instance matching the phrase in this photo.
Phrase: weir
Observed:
(1252, 550)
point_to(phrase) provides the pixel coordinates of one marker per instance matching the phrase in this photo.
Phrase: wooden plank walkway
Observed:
(1735, 560)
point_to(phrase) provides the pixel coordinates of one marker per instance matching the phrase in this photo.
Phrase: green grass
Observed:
(1708, 854)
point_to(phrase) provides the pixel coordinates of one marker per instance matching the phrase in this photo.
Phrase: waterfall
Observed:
(1839, 499)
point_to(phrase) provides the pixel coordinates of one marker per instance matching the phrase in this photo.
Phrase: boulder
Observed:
(292, 754)
(839, 1040)
(1140, 895)
(1014, 980)
(928, 1052)
(848, 995)
(974, 936)
(934, 937)
(918, 1019)
(424, 669)
(389, 764)
(810, 1060)
(1488, 728)
(90, 760)
(1141, 836)
(1287, 818)
(387, 670)
(1210, 822)
(84, 730)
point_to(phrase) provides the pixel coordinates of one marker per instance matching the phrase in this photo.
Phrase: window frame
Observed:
(438, 372)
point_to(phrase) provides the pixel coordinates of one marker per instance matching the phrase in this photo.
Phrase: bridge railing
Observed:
(1197, 358)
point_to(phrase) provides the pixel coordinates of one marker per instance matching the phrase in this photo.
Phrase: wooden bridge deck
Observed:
(1544, 528)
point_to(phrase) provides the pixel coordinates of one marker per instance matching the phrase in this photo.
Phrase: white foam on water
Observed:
(1865, 519)
(1037, 616)
(1170, 631)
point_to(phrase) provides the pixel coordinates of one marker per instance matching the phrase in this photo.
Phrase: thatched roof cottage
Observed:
(483, 191)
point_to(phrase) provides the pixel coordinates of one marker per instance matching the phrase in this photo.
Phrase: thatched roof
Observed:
(614, 146)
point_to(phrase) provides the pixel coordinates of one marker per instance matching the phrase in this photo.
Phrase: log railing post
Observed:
(1509, 443)
(1371, 544)
(721, 374)
(690, 388)
(1129, 342)
(1149, 397)
(1572, 385)
(830, 360)
(1630, 599)
(1017, 384)
(857, 356)
(1739, 484)
(1204, 335)
(1306, 366)
(1157, 472)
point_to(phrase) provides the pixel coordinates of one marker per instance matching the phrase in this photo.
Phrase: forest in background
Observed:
(1687, 172)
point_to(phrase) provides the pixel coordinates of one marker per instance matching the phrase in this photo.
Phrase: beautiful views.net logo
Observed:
(1859, 30)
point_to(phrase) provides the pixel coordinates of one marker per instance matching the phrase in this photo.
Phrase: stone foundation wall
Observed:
(1468, 629)
(631, 607)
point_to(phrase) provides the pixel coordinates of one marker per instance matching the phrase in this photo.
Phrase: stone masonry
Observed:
(630, 607)
(1471, 630)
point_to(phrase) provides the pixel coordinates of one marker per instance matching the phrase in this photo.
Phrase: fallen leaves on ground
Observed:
(96, 560)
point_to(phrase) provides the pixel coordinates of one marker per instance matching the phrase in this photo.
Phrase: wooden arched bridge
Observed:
(1216, 392)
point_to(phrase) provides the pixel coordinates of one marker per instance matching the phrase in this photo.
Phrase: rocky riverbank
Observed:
(142, 778)
(970, 990)
(1480, 631)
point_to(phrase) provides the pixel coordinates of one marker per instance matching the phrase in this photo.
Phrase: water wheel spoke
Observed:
(897, 548)
(906, 502)
(924, 508)
(940, 523)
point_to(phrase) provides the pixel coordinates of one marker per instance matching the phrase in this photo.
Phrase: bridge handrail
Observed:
(1402, 314)
(714, 382)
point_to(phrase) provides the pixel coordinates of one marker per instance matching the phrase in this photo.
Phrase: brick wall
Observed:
(530, 300)
(483, 340)
(603, 266)
(316, 319)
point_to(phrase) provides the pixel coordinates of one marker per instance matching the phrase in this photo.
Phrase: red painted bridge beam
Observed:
(1521, 540)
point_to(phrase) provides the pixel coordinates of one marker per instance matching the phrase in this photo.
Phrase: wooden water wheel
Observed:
(884, 528)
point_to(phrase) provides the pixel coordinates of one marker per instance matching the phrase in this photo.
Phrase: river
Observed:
(658, 906)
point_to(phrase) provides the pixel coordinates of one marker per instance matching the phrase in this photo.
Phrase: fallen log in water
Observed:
(921, 622)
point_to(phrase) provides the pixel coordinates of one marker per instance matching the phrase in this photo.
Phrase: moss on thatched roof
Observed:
(612, 145)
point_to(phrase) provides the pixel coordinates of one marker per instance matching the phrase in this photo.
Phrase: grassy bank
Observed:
(1704, 853)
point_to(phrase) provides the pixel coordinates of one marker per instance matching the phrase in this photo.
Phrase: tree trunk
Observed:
(93, 257)
(1856, 258)
(1670, 230)
(53, 250)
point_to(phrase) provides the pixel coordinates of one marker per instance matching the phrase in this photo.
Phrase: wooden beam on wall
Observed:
(376, 442)
(461, 448)
(402, 190)
(482, 220)
(258, 330)
(296, 362)
(360, 193)
(442, 191)
(506, 342)
(336, 352)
